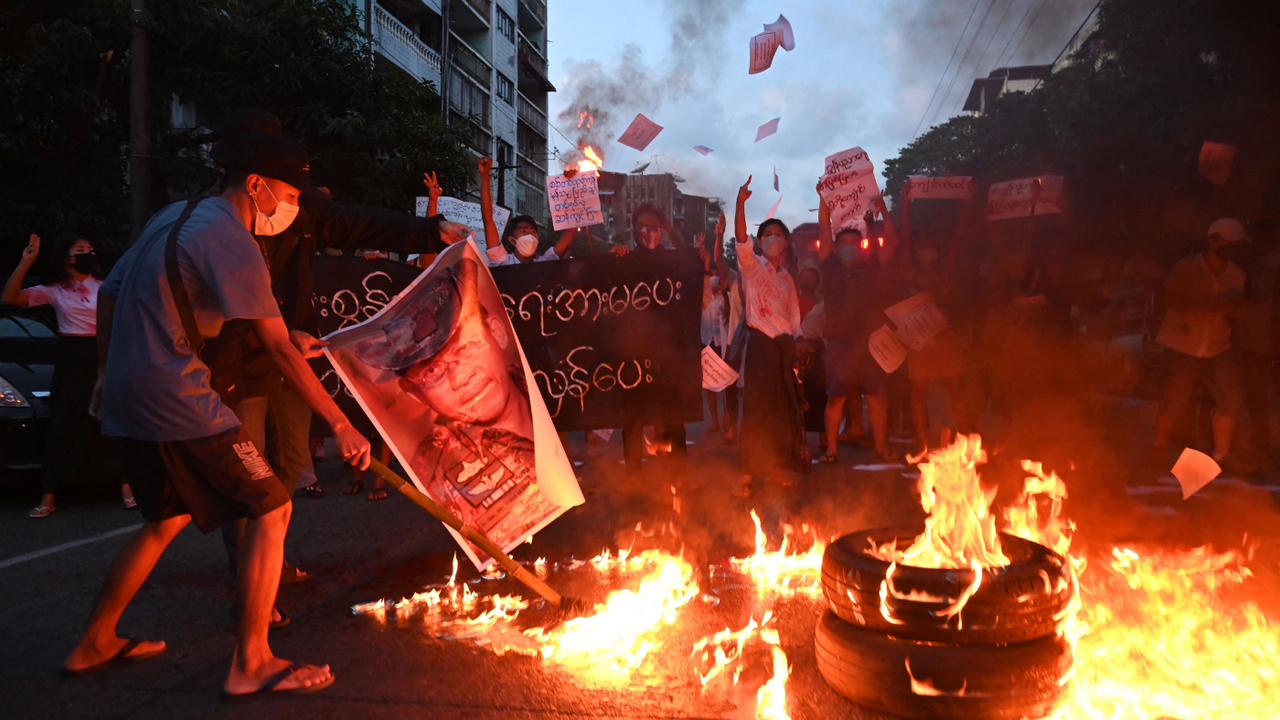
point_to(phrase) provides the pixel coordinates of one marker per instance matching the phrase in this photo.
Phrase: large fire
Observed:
(592, 162)
(1156, 635)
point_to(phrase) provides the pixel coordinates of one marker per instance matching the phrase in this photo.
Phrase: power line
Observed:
(948, 67)
(978, 61)
(1000, 58)
(1069, 41)
(1032, 24)
(963, 58)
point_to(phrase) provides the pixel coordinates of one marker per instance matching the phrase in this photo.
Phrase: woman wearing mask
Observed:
(772, 443)
(522, 231)
(72, 436)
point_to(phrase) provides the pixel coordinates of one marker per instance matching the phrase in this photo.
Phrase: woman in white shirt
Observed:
(772, 442)
(72, 437)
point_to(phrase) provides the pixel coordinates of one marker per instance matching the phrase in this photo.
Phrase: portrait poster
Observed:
(440, 373)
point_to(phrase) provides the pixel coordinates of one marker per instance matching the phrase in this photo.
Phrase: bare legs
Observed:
(878, 410)
(832, 417)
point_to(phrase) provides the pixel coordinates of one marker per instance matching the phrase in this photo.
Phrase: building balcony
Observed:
(530, 173)
(477, 138)
(470, 61)
(482, 8)
(535, 10)
(398, 44)
(468, 98)
(532, 54)
(531, 200)
(530, 115)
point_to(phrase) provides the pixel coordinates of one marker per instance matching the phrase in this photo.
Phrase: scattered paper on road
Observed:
(604, 434)
(716, 373)
(767, 129)
(1194, 470)
(886, 349)
(640, 133)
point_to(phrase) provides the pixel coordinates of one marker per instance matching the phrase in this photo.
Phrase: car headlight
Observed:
(9, 395)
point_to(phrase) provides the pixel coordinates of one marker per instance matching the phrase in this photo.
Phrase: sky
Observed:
(862, 73)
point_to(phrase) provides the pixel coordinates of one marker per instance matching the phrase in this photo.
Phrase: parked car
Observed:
(27, 348)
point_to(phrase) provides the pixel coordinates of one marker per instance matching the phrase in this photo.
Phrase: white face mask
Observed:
(526, 245)
(774, 246)
(279, 219)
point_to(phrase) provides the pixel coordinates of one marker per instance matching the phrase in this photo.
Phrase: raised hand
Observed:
(485, 164)
(744, 192)
(31, 251)
(433, 187)
(721, 224)
(701, 242)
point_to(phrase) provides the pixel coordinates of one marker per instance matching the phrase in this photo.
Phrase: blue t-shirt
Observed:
(155, 388)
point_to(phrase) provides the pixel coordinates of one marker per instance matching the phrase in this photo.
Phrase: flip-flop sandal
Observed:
(273, 625)
(377, 494)
(353, 488)
(829, 458)
(315, 492)
(122, 657)
(268, 688)
(294, 575)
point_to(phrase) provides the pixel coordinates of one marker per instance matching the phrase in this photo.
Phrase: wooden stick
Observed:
(516, 569)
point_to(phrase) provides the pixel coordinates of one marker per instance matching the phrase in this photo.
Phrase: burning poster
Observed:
(440, 372)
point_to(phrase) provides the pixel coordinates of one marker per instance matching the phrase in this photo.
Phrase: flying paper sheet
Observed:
(1013, 199)
(920, 187)
(763, 47)
(886, 349)
(640, 133)
(442, 376)
(848, 187)
(461, 211)
(1194, 470)
(716, 373)
(782, 27)
(575, 202)
(774, 209)
(702, 150)
(767, 129)
(918, 319)
(775, 178)
(1215, 161)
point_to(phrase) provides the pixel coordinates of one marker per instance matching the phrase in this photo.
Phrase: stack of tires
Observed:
(1002, 656)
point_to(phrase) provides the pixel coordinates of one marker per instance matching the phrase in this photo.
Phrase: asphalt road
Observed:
(360, 551)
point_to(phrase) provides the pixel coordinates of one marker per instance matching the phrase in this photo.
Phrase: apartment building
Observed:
(489, 58)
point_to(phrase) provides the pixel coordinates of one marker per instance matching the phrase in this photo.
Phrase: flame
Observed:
(584, 117)
(784, 573)
(960, 531)
(592, 163)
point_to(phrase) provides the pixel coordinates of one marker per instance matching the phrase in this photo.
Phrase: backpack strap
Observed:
(179, 290)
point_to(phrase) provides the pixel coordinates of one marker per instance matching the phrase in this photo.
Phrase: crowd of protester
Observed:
(190, 356)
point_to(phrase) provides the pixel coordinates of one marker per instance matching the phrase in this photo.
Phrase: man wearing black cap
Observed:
(195, 266)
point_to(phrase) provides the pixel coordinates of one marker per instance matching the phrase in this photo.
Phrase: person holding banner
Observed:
(772, 444)
(857, 287)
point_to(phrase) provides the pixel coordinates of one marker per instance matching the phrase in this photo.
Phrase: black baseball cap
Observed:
(268, 155)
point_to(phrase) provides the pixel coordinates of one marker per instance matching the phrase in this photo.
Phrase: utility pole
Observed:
(139, 135)
(445, 64)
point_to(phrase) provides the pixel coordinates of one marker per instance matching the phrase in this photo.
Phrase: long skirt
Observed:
(73, 437)
(771, 438)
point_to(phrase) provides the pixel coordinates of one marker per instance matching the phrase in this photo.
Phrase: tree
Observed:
(371, 131)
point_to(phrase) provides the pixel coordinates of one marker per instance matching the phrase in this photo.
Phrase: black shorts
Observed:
(215, 480)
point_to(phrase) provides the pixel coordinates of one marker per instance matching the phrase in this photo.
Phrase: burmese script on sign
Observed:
(575, 201)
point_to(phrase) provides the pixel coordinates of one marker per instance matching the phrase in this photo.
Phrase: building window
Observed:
(506, 154)
(506, 89)
(506, 26)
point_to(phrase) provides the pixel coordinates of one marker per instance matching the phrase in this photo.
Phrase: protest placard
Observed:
(1215, 161)
(1017, 198)
(918, 319)
(640, 132)
(763, 47)
(467, 213)
(920, 187)
(885, 348)
(716, 373)
(575, 201)
(848, 187)
(439, 371)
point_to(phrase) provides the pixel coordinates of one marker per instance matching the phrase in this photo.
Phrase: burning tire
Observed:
(914, 679)
(1025, 600)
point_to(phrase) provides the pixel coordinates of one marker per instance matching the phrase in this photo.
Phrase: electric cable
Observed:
(947, 68)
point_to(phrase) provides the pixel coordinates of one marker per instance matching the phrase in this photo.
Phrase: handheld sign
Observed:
(886, 349)
(640, 132)
(461, 211)
(918, 319)
(1018, 199)
(716, 373)
(575, 202)
(920, 187)
(848, 187)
